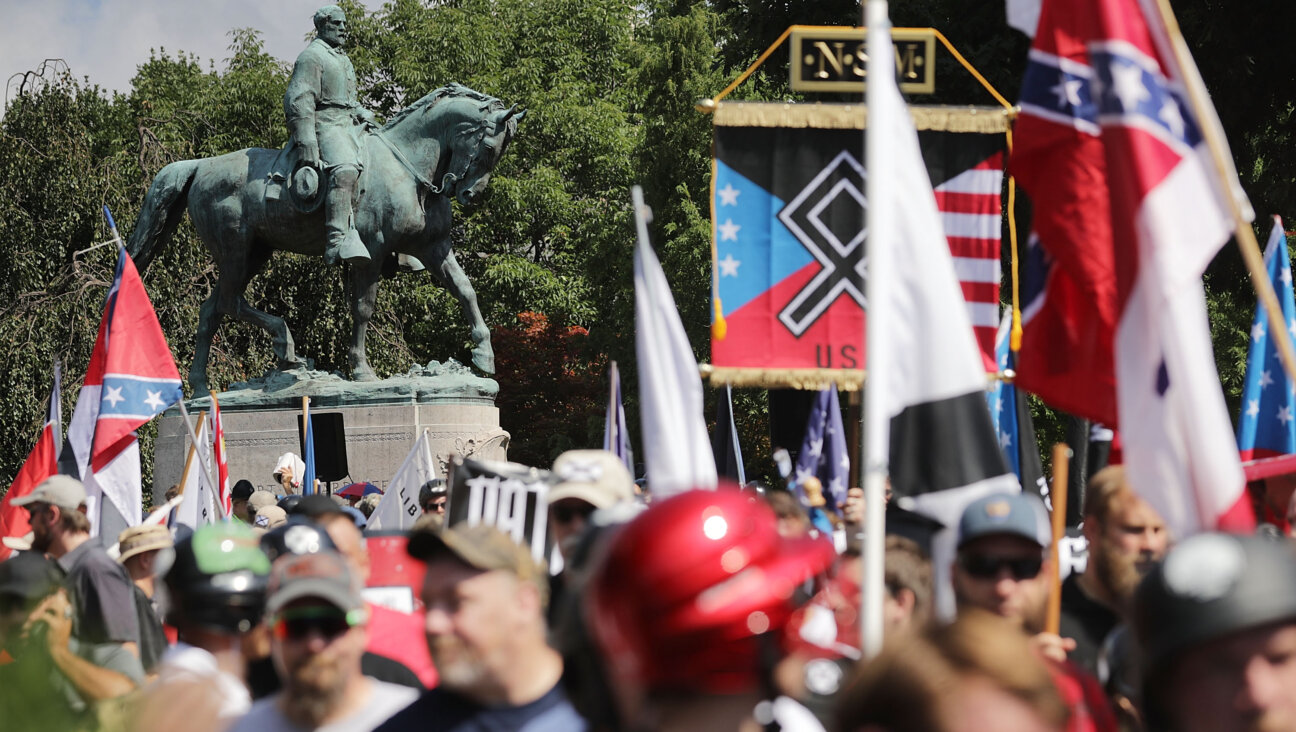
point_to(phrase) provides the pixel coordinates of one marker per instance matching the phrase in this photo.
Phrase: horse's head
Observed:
(475, 148)
(498, 128)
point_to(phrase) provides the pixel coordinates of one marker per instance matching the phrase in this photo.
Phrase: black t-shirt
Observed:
(1087, 621)
(440, 710)
(153, 640)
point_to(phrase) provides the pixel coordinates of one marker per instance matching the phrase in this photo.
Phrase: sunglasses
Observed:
(435, 505)
(987, 567)
(329, 623)
(566, 513)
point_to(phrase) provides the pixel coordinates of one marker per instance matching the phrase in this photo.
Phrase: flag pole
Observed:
(1243, 233)
(1058, 496)
(193, 450)
(193, 437)
(876, 420)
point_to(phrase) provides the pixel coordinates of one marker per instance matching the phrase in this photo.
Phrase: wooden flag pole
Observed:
(193, 449)
(1058, 496)
(1228, 181)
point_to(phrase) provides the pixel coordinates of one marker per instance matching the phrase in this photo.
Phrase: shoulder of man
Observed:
(436, 709)
(313, 55)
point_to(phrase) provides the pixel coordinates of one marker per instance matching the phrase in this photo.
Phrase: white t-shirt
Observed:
(183, 662)
(384, 700)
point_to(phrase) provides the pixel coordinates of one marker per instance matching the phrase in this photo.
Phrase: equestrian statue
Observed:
(341, 188)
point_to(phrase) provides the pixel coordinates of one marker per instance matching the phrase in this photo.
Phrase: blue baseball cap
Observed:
(1012, 514)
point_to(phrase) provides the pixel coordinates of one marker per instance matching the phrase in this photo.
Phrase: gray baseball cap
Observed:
(323, 574)
(1013, 514)
(63, 491)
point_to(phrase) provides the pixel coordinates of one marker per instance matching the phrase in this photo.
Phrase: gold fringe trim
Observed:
(847, 380)
(983, 120)
(812, 379)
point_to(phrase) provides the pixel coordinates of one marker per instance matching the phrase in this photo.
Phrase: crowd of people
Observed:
(730, 609)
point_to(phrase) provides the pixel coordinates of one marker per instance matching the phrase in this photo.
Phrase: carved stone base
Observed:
(381, 420)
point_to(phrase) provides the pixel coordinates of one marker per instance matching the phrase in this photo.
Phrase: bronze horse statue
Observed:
(453, 136)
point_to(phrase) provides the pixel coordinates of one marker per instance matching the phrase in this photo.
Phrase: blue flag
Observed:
(1267, 423)
(823, 452)
(1014, 428)
(1003, 399)
(308, 457)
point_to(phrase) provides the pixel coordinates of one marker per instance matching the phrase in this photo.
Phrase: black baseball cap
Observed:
(30, 576)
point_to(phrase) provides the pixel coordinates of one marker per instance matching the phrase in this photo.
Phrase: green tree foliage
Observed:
(609, 88)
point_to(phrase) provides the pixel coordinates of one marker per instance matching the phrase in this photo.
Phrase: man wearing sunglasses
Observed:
(1001, 568)
(318, 619)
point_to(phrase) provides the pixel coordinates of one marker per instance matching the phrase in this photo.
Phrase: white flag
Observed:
(119, 481)
(677, 448)
(399, 507)
(198, 506)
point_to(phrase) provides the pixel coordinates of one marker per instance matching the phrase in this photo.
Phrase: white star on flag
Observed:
(728, 195)
(835, 485)
(1284, 414)
(1291, 327)
(729, 266)
(1257, 332)
(1169, 114)
(154, 400)
(728, 230)
(845, 461)
(1265, 379)
(1067, 91)
(802, 474)
(816, 447)
(1253, 407)
(1285, 276)
(1005, 440)
(1127, 85)
(114, 395)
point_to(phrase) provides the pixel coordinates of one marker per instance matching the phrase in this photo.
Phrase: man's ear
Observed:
(907, 600)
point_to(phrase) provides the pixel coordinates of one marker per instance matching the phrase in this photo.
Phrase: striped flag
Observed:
(1128, 209)
(222, 463)
(970, 209)
(131, 378)
(41, 463)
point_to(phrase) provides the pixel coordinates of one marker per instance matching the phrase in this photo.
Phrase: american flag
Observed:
(971, 215)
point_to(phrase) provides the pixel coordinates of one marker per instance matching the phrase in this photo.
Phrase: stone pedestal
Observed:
(381, 420)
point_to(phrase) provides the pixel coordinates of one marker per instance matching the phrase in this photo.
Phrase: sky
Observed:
(107, 39)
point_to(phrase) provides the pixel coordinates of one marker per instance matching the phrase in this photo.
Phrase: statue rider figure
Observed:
(325, 121)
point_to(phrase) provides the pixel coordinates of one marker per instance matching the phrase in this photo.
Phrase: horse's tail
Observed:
(163, 208)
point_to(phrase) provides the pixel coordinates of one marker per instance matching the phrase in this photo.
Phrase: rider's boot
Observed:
(343, 240)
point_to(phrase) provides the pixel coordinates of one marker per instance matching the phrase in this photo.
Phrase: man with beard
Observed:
(484, 598)
(48, 679)
(103, 597)
(1001, 568)
(1126, 539)
(1216, 624)
(319, 618)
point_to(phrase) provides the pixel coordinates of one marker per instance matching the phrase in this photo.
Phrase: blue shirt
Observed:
(440, 710)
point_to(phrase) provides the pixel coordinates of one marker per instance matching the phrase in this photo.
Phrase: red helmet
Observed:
(686, 588)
